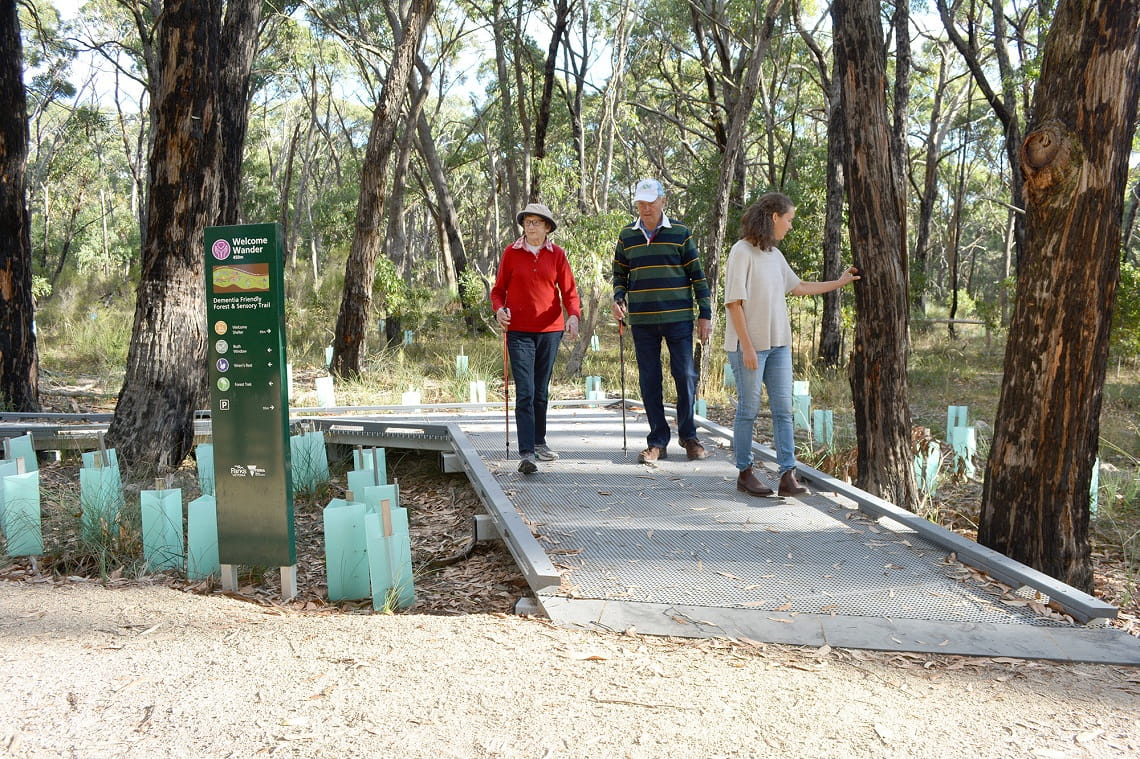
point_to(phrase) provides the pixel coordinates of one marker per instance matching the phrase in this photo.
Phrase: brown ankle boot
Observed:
(748, 483)
(789, 485)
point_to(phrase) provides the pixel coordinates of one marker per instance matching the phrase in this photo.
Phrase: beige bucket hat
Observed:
(537, 209)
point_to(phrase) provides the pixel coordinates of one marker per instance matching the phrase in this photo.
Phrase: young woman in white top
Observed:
(758, 335)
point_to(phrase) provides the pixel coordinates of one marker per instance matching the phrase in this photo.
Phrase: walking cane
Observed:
(621, 360)
(506, 396)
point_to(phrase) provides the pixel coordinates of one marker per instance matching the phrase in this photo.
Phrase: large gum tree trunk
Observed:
(165, 380)
(878, 362)
(18, 363)
(1035, 502)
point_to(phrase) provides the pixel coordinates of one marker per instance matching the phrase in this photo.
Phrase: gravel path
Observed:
(133, 670)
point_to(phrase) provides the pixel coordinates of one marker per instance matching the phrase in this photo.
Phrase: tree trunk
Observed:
(975, 52)
(577, 65)
(19, 364)
(542, 121)
(448, 213)
(957, 200)
(614, 92)
(396, 236)
(878, 366)
(830, 328)
(165, 380)
(831, 323)
(1006, 266)
(396, 240)
(938, 125)
(901, 90)
(1035, 501)
(508, 140)
(589, 326)
(288, 233)
(239, 44)
(360, 269)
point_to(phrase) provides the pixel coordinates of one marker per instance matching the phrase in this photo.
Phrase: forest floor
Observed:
(120, 665)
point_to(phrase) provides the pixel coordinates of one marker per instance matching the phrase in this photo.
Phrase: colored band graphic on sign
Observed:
(245, 278)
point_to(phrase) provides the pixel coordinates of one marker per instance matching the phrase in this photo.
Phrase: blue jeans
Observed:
(678, 337)
(532, 362)
(774, 367)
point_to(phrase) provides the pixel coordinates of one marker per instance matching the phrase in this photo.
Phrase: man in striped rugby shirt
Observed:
(657, 276)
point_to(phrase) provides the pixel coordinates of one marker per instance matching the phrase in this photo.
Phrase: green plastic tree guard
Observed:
(202, 538)
(204, 453)
(7, 468)
(105, 458)
(389, 557)
(926, 468)
(22, 447)
(22, 514)
(162, 528)
(308, 460)
(101, 500)
(346, 554)
(823, 427)
(371, 460)
(318, 454)
(964, 442)
(956, 416)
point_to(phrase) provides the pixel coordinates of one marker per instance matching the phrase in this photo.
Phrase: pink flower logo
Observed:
(221, 249)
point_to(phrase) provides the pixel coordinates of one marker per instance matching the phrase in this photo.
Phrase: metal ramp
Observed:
(675, 550)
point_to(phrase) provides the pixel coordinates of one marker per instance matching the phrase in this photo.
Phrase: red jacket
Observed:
(530, 284)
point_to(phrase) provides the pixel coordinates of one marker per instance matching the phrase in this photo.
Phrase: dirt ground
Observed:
(128, 669)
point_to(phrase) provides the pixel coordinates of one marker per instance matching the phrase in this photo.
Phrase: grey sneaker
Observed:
(542, 452)
(527, 465)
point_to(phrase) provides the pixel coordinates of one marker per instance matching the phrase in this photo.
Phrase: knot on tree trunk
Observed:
(1050, 159)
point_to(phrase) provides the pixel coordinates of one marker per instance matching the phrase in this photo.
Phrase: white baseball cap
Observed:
(648, 190)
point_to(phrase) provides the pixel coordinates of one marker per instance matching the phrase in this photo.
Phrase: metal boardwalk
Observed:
(674, 549)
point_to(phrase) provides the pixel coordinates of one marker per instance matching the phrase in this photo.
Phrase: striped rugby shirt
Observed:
(659, 278)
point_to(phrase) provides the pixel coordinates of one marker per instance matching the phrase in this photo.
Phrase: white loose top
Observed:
(760, 279)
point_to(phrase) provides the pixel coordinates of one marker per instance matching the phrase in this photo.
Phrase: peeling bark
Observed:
(1035, 501)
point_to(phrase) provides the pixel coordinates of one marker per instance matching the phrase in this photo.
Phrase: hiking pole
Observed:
(506, 396)
(621, 361)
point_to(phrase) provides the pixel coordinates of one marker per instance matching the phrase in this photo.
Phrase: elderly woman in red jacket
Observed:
(533, 288)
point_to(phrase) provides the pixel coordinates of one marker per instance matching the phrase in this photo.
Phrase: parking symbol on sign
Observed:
(224, 405)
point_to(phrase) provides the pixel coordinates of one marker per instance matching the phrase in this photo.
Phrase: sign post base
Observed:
(229, 578)
(289, 582)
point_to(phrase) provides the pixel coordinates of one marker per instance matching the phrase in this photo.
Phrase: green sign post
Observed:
(248, 400)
